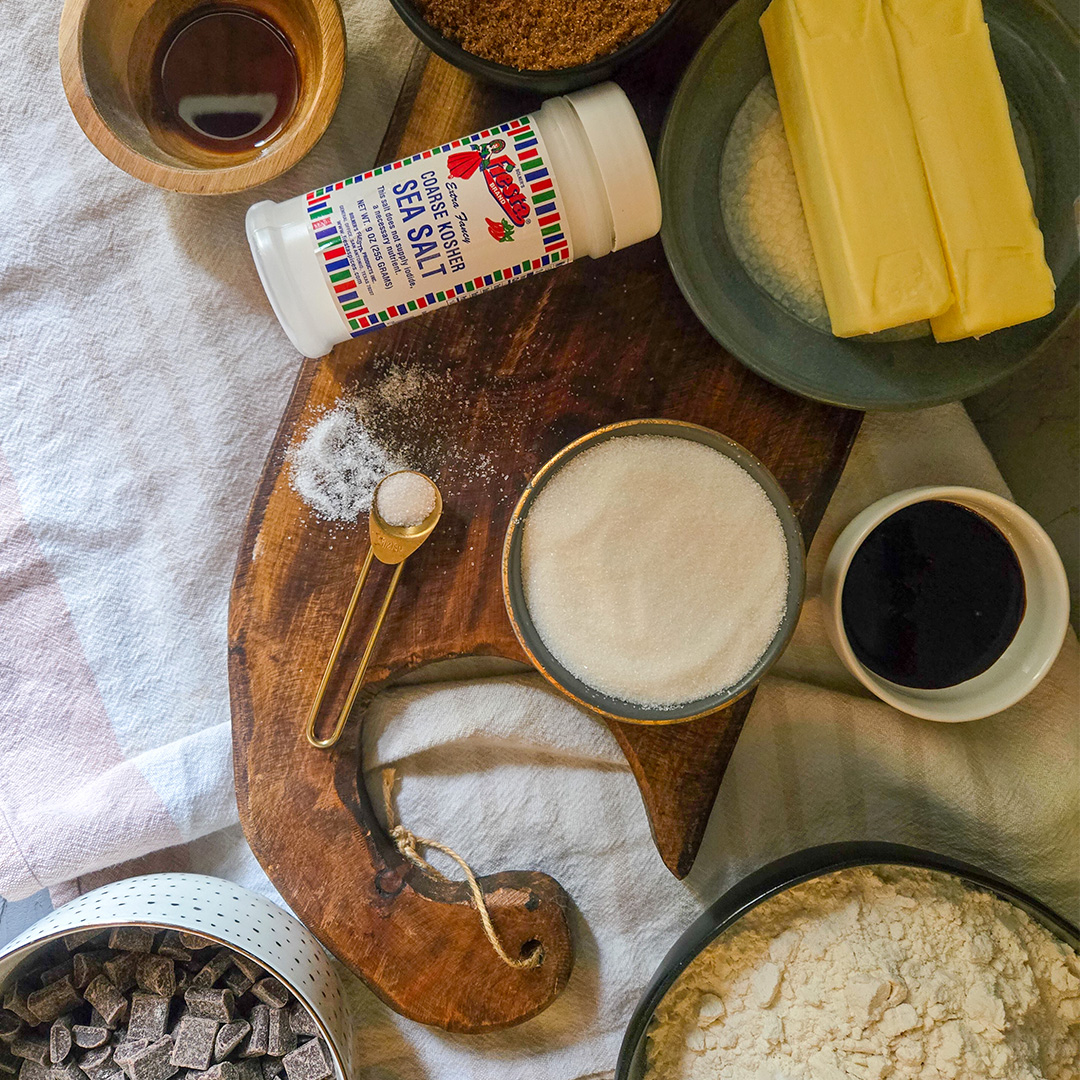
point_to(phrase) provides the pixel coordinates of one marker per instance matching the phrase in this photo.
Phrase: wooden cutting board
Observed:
(485, 392)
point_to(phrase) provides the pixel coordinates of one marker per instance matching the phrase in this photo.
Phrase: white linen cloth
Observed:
(143, 376)
(141, 380)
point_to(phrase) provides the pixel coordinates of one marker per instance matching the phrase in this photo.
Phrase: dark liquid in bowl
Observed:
(226, 79)
(933, 596)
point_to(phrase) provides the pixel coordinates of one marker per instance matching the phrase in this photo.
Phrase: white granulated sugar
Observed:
(655, 569)
(405, 499)
(337, 465)
(762, 208)
(870, 974)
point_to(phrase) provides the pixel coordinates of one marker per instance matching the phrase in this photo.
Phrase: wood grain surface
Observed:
(483, 393)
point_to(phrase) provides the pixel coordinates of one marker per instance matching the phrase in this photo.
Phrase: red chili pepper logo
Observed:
(501, 230)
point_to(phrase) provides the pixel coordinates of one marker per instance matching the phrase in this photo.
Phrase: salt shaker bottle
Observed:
(574, 178)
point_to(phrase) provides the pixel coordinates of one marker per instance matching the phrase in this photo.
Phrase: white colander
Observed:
(220, 911)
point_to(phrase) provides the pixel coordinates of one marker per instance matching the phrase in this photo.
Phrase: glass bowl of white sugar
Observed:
(653, 570)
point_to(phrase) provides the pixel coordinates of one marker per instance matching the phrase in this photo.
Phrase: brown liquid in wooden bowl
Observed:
(200, 97)
(225, 79)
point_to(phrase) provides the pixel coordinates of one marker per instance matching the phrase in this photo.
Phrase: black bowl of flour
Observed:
(786, 873)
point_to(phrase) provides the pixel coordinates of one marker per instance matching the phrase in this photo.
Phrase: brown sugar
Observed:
(541, 35)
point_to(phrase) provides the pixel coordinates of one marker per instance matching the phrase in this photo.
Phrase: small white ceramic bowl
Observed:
(1030, 654)
(221, 911)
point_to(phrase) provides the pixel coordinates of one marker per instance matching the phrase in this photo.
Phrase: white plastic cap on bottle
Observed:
(623, 159)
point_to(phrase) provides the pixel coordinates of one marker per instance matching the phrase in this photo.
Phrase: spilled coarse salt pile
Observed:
(762, 208)
(654, 569)
(875, 973)
(337, 464)
(405, 499)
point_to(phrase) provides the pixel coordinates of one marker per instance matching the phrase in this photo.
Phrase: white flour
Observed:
(873, 974)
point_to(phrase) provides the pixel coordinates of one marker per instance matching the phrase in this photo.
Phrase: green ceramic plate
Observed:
(1037, 56)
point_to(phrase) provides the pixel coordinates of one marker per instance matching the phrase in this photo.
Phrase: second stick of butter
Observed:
(991, 237)
(857, 162)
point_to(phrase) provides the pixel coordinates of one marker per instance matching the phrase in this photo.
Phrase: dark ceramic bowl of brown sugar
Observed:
(546, 81)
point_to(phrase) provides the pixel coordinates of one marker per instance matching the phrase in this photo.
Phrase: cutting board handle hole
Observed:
(528, 948)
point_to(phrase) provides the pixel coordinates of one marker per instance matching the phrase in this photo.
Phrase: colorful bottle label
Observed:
(431, 229)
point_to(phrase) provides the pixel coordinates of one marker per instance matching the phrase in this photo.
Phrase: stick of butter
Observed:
(857, 161)
(993, 246)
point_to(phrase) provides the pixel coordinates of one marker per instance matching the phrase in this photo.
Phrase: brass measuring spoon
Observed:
(392, 545)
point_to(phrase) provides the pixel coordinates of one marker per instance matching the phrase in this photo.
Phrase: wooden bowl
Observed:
(107, 53)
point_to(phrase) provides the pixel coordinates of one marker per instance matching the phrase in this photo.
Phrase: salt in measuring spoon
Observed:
(392, 545)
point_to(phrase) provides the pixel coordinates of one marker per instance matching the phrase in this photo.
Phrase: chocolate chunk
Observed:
(54, 1000)
(87, 966)
(15, 1001)
(88, 1036)
(56, 973)
(67, 1071)
(255, 1043)
(109, 1003)
(213, 969)
(60, 1040)
(33, 1070)
(303, 1023)
(9, 1064)
(309, 1062)
(152, 1062)
(10, 1025)
(97, 1020)
(211, 1003)
(125, 1052)
(32, 1047)
(237, 981)
(223, 1070)
(271, 992)
(171, 946)
(270, 1067)
(194, 941)
(249, 1069)
(79, 938)
(121, 970)
(251, 968)
(193, 1042)
(136, 939)
(95, 1058)
(101, 1067)
(229, 1038)
(149, 1017)
(156, 975)
(280, 1039)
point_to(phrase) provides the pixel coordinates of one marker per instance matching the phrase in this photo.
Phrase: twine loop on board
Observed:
(408, 842)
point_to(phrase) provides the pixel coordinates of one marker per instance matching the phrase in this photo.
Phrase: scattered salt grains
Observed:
(973, 989)
(405, 499)
(655, 569)
(337, 465)
(408, 416)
